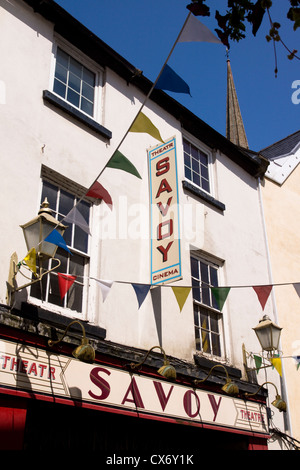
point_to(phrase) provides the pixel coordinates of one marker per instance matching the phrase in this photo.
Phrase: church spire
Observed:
(235, 130)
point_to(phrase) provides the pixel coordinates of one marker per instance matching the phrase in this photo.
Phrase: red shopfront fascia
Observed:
(29, 370)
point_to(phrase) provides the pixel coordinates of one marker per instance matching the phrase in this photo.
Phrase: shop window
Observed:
(207, 316)
(196, 166)
(77, 263)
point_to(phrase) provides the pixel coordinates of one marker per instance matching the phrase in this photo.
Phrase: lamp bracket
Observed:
(14, 269)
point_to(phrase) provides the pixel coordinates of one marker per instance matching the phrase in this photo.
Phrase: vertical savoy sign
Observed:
(164, 213)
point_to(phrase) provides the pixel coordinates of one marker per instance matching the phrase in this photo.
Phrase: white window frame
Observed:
(217, 264)
(89, 64)
(207, 151)
(64, 184)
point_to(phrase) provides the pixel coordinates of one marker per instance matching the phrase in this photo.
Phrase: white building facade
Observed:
(67, 102)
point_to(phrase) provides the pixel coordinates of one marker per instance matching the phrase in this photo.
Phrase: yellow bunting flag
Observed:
(276, 361)
(30, 260)
(143, 124)
(181, 294)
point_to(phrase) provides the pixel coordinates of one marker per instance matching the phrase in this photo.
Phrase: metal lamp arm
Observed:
(40, 277)
(134, 366)
(214, 367)
(52, 343)
(253, 394)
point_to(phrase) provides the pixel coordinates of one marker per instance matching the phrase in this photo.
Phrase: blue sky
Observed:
(143, 32)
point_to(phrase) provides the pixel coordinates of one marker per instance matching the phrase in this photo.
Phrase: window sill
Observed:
(42, 316)
(203, 195)
(76, 113)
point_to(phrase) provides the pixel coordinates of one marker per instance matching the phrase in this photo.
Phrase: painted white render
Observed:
(35, 134)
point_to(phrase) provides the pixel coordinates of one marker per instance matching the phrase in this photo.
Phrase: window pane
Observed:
(216, 349)
(73, 97)
(75, 297)
(196, 179)
(61, 73)
(203, 158)
(63, 257)
(50, 192)
(75, 67)
(205, 184)
(87, 107)
(194, 152)
(196, 290)
(205, 341)
(194, 268)
(62, 58)
(88, 77)
(186, 146)
(195, 165)
(54, 294)
(187, 160)
(214, 323)
(74, 82)
(77, 266)
(198, 341)
(205, 290)
(188, 173)
(66, 202)
(80, 239)
(81, 236)
(204, 317)
(196, 316)
(204, 272)
(204, 172)
(87, 91)
(59, 88)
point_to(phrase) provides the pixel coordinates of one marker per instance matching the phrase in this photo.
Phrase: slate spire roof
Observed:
(235, 131)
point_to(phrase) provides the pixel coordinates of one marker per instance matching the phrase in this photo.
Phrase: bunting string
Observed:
(141, 107)
(191, 31)
(275, 362)
(181, 293)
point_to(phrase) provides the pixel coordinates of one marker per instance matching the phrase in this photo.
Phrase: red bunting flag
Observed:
(65, 281)
(97, 191)
(263, 293)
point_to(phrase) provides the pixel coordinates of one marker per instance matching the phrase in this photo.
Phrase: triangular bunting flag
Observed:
(181, 294)
(120, 162)
(169, 80)
(30, 260)
(297, 359)
(195, 31)
(297, 288)
(220, 294)
(263, 293)
(143, 124)
(105, 287)
(97, 191)
(56, 238)
(65, 281)
(258, 362)
(75, 217)
(141, 291)
(276, 361)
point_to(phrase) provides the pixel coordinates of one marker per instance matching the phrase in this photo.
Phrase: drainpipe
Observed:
(286, 416)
